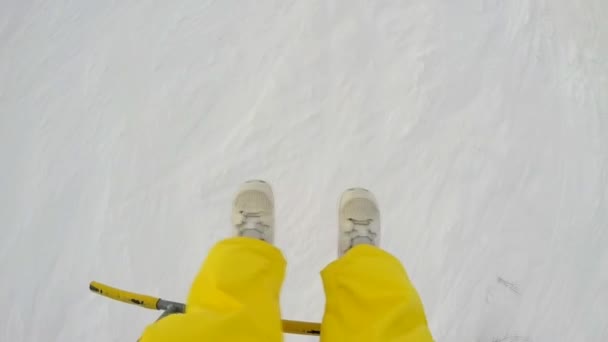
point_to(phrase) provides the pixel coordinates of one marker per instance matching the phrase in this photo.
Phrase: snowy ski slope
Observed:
(482, 127)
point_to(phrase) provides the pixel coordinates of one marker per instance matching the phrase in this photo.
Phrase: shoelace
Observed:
(367, 233)
(248, 223)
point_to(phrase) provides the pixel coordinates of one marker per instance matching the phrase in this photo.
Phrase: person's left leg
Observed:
(235, 296)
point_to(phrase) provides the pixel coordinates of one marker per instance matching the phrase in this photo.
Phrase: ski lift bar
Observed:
(170, 307)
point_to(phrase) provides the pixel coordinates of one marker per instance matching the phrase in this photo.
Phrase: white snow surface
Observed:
(481, 126)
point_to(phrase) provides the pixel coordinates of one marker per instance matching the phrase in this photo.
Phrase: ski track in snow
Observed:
(482, 127)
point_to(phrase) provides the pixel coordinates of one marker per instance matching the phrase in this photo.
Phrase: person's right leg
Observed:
(369, 295)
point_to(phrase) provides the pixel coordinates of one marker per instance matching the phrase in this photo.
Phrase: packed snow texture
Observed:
(481, 126)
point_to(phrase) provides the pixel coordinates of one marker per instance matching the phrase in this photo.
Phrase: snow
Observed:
(481, 126)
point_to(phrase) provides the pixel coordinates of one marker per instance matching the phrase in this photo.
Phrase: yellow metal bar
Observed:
(301, 328)
(149, 302)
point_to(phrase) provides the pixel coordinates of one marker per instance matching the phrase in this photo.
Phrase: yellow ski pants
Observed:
(235, 297)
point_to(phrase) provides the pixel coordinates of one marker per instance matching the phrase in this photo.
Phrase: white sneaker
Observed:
(359, 220)
(253, 211)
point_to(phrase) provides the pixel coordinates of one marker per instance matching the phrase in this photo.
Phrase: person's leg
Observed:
(241, 280)
(370, 298)
(235, 296)
(369, 295)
